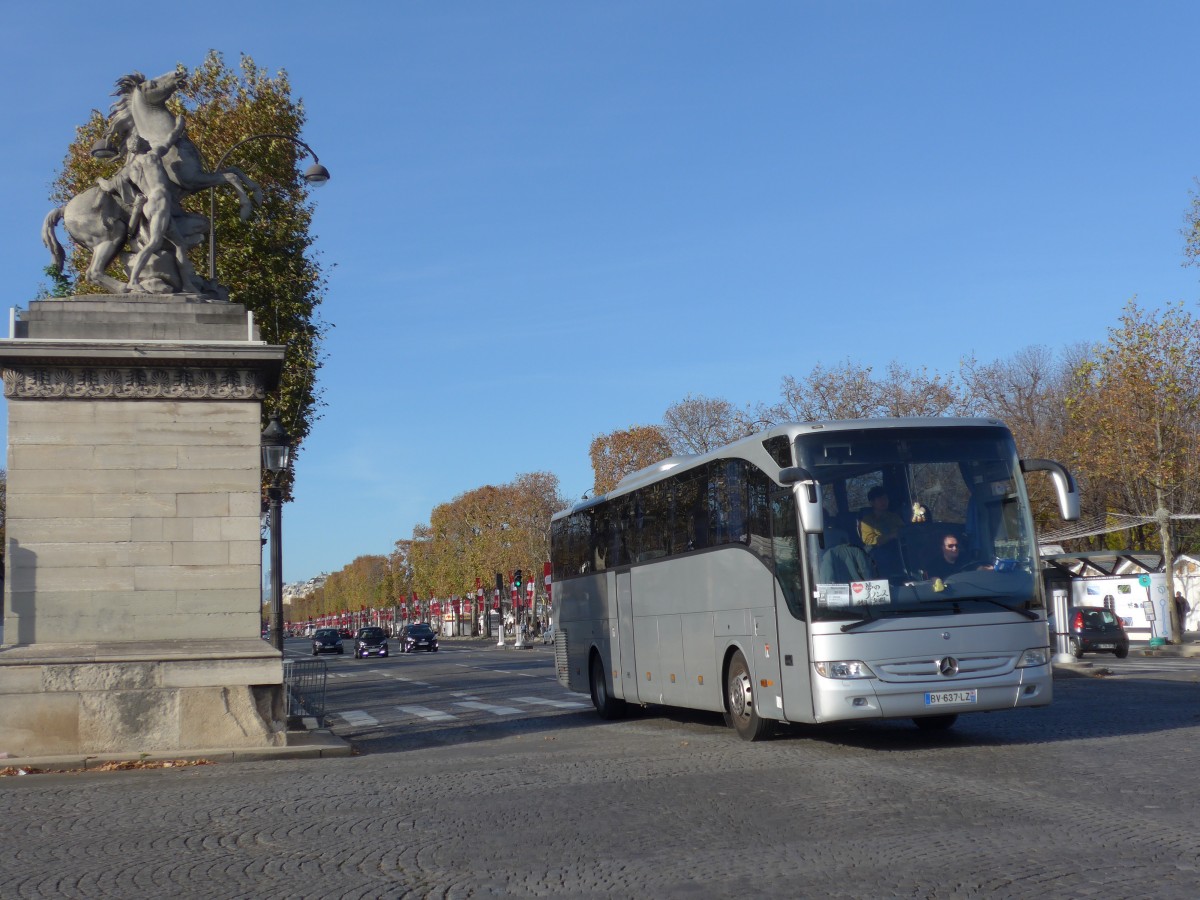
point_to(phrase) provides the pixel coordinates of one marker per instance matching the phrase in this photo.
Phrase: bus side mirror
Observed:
(1064, 485)
(812, 514)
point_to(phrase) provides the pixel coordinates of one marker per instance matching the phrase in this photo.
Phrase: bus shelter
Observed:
(1132, 584)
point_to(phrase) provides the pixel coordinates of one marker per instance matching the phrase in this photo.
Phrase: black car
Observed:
(418, 637)
(327, 640)
(370, 641)
(1092, 629)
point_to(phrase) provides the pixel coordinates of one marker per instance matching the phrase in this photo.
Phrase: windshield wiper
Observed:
(891, 613)
(1029, 614)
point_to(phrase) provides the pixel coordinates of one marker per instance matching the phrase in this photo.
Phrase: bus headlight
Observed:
(1034, 656)
(843, 668)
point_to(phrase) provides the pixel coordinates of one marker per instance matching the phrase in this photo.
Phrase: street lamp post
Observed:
(276, 448)
(314, 174)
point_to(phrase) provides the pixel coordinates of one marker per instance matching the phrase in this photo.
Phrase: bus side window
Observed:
(683, 499)
(601, 539)
(653, 511)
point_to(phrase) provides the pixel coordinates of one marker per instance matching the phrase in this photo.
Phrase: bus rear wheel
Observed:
(608, 706)
(740, 711)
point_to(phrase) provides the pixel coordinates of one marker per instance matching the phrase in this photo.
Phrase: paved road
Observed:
(1093, 797)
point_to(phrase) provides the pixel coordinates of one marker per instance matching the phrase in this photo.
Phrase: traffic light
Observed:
(517, 579)
(499, 581)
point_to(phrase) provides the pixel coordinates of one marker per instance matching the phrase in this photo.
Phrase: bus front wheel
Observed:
(608, 706)
(740, 711)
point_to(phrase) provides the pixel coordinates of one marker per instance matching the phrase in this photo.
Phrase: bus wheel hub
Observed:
(741, 698)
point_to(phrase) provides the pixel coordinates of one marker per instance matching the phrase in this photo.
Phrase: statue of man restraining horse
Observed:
(141, 205)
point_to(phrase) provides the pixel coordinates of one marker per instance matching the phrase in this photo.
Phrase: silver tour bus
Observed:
(815, 572)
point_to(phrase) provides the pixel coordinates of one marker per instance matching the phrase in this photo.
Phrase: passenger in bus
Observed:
(842, 562)
(878, 525)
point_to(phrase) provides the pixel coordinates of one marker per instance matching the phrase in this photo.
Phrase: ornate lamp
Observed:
(316, 175)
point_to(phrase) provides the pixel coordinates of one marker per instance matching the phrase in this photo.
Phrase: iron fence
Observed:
(304, 681)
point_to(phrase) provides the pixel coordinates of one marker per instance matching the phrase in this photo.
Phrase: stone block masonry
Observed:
(108, 500)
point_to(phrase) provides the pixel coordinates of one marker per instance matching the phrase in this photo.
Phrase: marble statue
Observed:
(137, 213)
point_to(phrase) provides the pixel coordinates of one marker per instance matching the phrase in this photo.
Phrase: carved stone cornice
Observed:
(133, 383)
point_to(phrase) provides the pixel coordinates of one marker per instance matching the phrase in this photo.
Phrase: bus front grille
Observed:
(968, 666)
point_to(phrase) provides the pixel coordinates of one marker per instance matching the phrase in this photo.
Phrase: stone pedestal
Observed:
(132, 597)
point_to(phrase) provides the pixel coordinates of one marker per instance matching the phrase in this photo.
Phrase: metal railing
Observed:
(304, 683)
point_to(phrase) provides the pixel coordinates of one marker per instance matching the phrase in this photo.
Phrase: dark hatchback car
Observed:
(327, 640)
(370, 641)
(1095, 630)
(417, 637)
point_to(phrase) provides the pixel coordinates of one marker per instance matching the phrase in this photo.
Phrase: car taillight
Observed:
(1077, 622)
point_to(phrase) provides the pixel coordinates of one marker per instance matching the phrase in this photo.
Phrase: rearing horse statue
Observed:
(102, 218)
(141, 109)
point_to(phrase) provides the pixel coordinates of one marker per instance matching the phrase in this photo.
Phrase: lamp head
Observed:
(103, 149)
(276, 447)
(316, 174)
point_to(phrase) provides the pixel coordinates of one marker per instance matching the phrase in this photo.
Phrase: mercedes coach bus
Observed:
(815, 572)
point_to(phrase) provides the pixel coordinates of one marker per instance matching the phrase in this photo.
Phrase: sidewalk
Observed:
(316, 744)
(1189, 647)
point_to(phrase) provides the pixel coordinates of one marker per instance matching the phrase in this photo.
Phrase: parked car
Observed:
(370, 641)
(418, 637)
(327, 640)
(1092, 629)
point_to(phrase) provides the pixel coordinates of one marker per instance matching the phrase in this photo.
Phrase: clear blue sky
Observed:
(549, 220)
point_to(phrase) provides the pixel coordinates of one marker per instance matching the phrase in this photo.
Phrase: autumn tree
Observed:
(1028, 391)
(1191, 231)
(268, 262)
(494, 528)
(851, 390)
(697, 424)
(616, 454)
(357, 586)
(400, 571)
(1136, 414)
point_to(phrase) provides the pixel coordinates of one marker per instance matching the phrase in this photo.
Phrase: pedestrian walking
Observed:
(1182, 608)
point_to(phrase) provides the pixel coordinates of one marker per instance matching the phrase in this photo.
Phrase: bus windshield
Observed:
(925, 521)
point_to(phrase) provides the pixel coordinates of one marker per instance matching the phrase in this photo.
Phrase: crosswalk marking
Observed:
(358, 718)
(488, 707)
(557, 704)
(433, 715)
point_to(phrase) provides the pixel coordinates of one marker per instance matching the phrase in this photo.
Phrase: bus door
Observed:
(795, 673)
(626, 686)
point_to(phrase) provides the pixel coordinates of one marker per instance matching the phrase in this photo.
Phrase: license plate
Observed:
(1105, 646)
(948, 698)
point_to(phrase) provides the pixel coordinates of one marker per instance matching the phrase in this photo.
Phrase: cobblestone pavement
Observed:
(1095, 796)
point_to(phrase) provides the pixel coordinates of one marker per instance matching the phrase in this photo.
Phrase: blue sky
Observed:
(548, 220)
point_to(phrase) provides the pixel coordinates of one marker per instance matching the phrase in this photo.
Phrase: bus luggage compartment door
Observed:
(626, 686)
